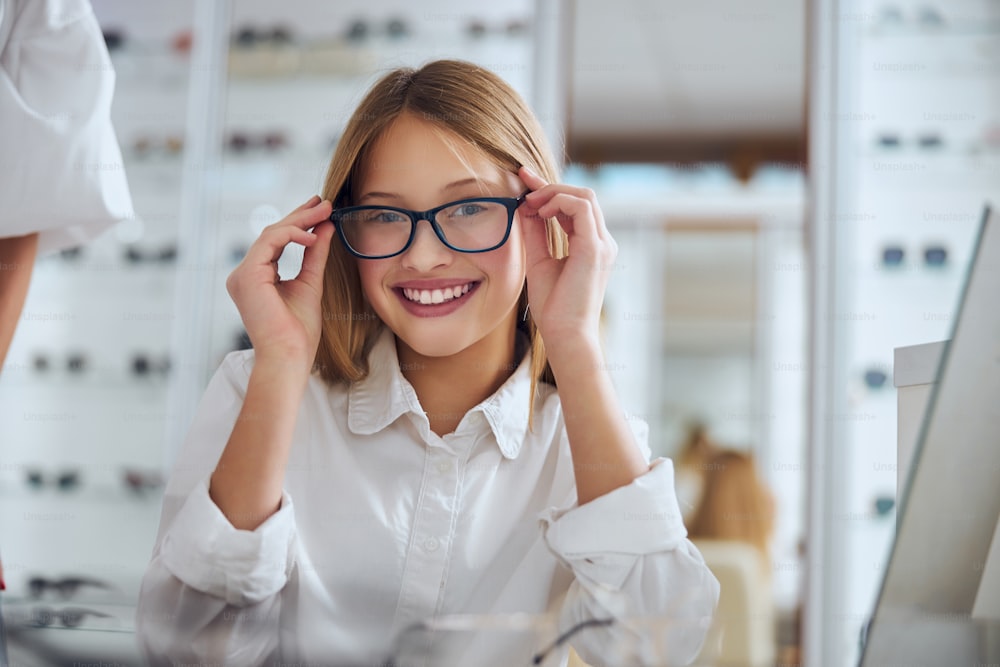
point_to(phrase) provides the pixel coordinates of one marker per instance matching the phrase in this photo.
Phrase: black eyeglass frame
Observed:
(66, 587)
(70, 617)
(510, 203)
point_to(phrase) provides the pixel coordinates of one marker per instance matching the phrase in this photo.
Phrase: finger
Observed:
(312, 201)
(530, 178)
(536, 244)
(575, 214)
(321, 211)
(271, 243)
(305, 217)
(539, 198)
(315, 257)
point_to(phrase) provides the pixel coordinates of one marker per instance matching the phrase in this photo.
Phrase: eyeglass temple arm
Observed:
(561, 639)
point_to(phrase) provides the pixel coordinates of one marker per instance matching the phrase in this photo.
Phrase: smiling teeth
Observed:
(425, 296)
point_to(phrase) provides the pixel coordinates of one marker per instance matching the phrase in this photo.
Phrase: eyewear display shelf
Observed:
(83, 390)
(918, 140)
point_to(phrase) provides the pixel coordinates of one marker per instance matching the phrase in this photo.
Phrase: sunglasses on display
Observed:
(934, 256)
(476, 224)
(64, 481)
(71, 617)
(65, 587)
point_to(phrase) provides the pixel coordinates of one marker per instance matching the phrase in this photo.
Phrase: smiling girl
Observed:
(395, 448)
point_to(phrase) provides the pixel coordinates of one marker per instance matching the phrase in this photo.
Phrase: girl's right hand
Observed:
(283, 318)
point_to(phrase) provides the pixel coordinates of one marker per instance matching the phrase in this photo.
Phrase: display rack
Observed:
(905, 157)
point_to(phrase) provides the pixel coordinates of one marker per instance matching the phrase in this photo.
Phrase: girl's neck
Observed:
(448, 387)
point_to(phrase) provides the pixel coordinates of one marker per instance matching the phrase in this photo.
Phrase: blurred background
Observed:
(794, 187)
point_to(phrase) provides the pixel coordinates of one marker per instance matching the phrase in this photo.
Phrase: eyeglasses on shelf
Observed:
(66, 587)
(70, 617)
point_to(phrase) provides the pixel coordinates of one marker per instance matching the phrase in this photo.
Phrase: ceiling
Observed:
(673, 80)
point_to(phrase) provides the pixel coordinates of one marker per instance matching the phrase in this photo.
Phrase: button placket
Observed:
(423, 577)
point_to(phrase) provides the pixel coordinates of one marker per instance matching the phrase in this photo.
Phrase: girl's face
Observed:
(416, 165)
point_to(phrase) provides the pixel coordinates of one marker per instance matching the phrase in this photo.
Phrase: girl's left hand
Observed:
(565, 295)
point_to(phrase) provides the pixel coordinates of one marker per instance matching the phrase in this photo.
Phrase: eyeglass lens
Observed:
(470, 225)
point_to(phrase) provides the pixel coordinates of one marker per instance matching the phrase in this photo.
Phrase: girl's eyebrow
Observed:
(451, 186)
(378, 195)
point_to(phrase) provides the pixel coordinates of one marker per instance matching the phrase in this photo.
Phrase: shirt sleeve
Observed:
(211, 593)
(242, 567)
(632, 562)
(61, 170)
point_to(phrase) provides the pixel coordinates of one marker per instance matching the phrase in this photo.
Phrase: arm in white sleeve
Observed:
(211, 593)
(632, 562)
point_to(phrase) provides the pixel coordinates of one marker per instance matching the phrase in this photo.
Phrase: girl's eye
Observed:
(466, 210)
(383, 216)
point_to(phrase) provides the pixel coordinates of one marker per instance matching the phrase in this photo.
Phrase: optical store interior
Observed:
(802, 307)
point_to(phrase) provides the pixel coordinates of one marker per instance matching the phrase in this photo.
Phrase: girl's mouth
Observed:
(435, 302)
(434, 297)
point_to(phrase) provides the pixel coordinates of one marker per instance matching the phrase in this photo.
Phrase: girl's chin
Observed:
(432, 343)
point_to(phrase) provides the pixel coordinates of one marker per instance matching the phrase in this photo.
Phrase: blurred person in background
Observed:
(733, 525)
(735, 504)
(62, 181)
(696, 452)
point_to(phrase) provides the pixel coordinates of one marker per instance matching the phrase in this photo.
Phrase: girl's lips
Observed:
(434, 309)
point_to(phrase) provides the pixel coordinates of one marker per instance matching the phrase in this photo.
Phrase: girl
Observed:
(394, 447)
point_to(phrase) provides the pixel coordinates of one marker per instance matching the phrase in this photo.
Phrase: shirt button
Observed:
(431, 544)
(444, 466)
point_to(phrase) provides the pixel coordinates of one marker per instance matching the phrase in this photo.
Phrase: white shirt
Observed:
(61, 170)
(384, 524)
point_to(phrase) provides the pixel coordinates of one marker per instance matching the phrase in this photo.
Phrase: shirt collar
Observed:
(385, 394)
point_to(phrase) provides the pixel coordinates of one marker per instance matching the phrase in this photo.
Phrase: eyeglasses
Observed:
(446, 640)
(66, 480)
(65, 587)
(70, 617)
(539, 657)
(441, 639)
(140, 481)
(477, 224)
(935, 256)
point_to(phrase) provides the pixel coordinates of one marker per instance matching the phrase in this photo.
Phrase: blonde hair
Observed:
(468, 102)
(735, 504)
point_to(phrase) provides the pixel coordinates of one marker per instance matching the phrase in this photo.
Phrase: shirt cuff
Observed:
(603, 538)
(206, 552)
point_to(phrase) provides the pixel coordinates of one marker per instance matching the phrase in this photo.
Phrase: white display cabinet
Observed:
(83, 393)
(905, 154)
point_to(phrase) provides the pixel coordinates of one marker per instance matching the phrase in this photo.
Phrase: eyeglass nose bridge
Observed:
(430, 217)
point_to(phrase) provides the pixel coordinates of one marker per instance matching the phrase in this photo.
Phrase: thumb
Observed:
(315, 256)
(536, 237)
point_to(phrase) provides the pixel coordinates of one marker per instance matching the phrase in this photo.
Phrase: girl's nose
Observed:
(427, 251)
